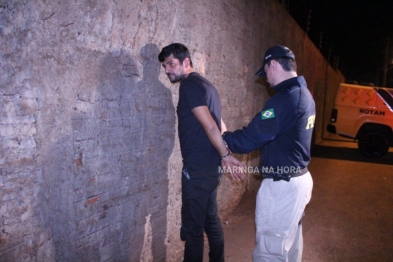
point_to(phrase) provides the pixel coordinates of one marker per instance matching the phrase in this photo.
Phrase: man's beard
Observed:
(177, 78)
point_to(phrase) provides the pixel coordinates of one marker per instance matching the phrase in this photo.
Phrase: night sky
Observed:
(355, 33)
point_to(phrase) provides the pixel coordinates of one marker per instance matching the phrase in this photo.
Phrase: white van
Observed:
(364, 113)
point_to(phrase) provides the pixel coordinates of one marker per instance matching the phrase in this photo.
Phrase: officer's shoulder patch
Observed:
(267, 114)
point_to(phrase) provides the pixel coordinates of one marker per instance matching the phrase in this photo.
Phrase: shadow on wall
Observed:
(107, 200)
(156, 113)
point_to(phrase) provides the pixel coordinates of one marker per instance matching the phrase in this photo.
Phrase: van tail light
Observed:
(333, 116)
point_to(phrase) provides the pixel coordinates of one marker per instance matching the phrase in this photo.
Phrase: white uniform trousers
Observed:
(279, 209)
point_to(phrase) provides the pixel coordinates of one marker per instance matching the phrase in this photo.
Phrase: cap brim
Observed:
(261, 72)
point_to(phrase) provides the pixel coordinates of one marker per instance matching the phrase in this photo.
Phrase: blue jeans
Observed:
(199, 214)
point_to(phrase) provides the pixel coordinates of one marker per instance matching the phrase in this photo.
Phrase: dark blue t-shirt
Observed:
(196, 148)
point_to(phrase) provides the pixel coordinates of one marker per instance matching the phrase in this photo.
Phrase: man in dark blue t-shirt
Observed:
(203, 150)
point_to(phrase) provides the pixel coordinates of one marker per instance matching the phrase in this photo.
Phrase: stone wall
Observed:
(89, 156)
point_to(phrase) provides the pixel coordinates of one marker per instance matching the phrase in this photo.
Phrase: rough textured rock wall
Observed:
(90, 161)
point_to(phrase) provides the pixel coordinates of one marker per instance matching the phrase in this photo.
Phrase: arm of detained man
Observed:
(204, 117)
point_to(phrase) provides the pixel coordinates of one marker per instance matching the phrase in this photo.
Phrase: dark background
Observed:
(353, 35)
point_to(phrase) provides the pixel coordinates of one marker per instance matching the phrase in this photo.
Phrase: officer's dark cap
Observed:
(274, 52)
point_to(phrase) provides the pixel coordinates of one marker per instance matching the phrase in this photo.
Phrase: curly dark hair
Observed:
(179, 51)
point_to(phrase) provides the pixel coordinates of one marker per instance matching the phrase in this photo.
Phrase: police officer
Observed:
(283, 131)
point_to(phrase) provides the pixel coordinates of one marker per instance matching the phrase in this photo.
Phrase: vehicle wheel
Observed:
(373, 144)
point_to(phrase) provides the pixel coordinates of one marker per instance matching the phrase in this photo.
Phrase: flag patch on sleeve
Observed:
(267, 114)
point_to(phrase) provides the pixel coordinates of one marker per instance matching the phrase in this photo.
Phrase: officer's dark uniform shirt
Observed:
(283, 128)
(196, 148)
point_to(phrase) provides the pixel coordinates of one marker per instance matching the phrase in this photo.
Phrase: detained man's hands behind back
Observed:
(233, 166)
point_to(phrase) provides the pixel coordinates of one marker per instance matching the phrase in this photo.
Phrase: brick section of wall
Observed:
(89, 157)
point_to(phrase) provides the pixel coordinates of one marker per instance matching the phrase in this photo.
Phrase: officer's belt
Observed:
(285, 176)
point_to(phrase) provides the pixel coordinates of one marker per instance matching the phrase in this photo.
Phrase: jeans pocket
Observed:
(206, 179)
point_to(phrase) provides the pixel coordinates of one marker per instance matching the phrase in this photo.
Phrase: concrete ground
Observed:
(349, 218)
